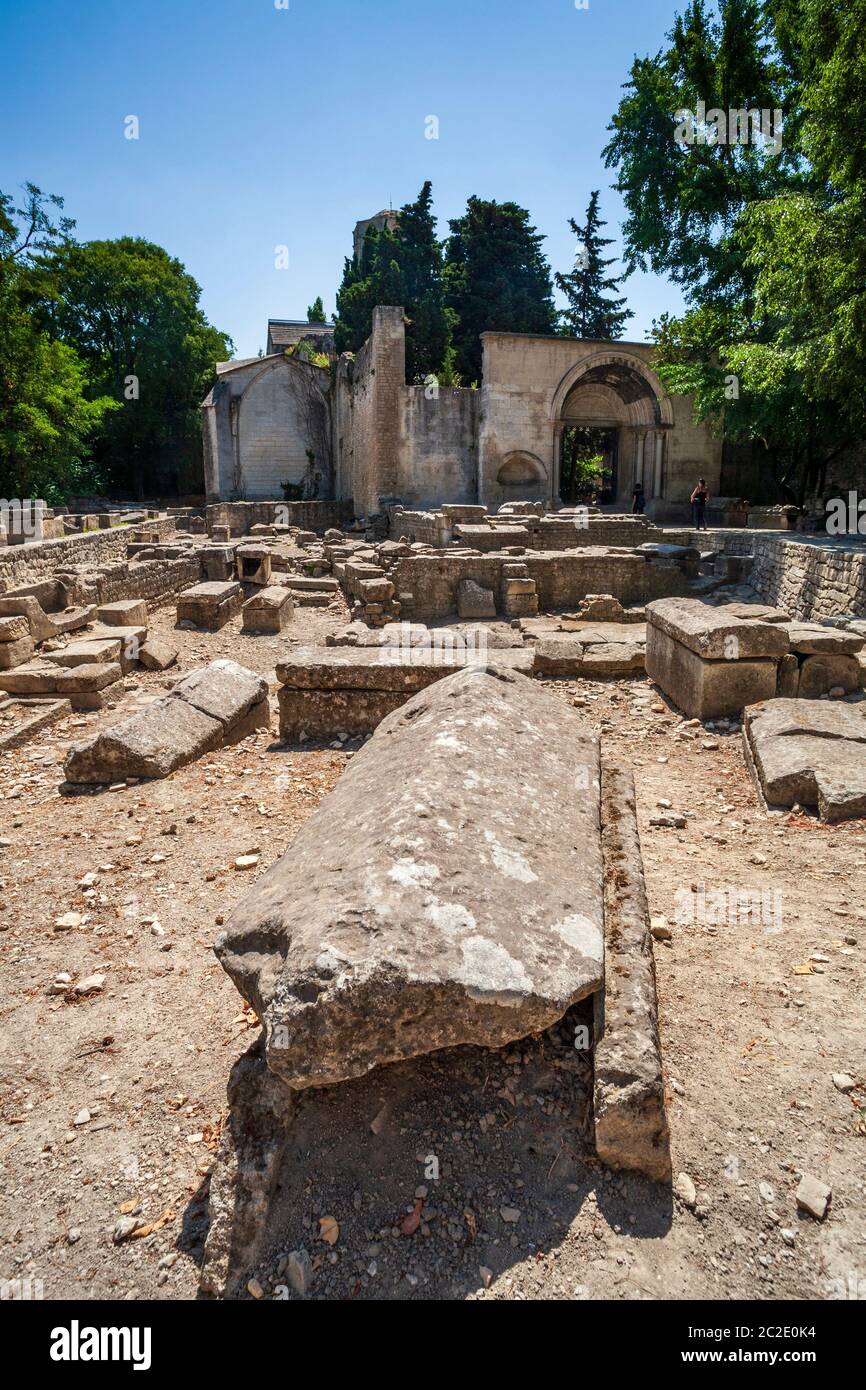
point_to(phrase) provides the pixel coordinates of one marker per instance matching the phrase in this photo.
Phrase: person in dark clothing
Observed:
(699, 499)
(637, 498)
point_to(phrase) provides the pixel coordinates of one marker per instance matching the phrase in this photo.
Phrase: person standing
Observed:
(637, 499)
(699, 499)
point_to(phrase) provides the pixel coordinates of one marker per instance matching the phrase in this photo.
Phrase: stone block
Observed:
(16, 653)
(706, 689)
(474, 601)
(41, 625)
(269, 610)
(210, 605)
(809, 752)
(205, 710)
(156, 655)
(820, 673)
(713, 634)
(13, 628)
(125, 613)
(254, 564)
(631, 1128)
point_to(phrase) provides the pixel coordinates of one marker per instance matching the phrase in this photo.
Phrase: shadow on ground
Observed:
(435, 1170)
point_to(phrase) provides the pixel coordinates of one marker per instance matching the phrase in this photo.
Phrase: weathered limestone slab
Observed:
(809, 638)
(80, 653)
(631, 1129)
(612, 659)
(809, 752)
(268, 610)
(252, 1144)
(31, 717)
(406, 668)
(223, 691)
(210, 605)
(458, 901)
(311, 584)
(206, 709)
(707, 689)
(87, 678)
(36, 677)
(150, 743)
(128, 612)
(714, 634)
(757, 612)
(325, 714)
(561, 658)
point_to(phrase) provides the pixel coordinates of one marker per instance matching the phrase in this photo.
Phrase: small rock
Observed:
(843, 1082)
(255, 1289)
(91, 984)
(299, 1270)
(685, 1190)
(813, 1196)
(510, 1215)
(485, 1275)
(124, 1228)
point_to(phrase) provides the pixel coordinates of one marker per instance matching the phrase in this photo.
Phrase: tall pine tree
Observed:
(496, 277)
(400, 266)
(591, 312)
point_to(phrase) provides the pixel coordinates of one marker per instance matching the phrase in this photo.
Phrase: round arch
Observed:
(625, 373)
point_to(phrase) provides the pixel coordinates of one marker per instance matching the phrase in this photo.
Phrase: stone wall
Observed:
(27, 564)
(809, 578)
(314, 515)
(562, 579)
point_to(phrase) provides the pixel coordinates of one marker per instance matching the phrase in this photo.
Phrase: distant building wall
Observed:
(258, 424)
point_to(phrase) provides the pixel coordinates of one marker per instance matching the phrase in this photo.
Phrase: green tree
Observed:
(316, 311)
(683, 201)
(131, 312)
(401, 266)
(419, 256)
(496, 278)
(770, 247)
(46, 417)
(592, 312)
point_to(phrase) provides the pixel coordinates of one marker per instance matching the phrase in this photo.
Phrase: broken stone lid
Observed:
(449, 890)
(709, 631)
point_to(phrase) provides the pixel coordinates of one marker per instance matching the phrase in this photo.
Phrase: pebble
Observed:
(813, 1196)
(685, 1190)
(843, 1082)
(91, 984)
(299, 1270)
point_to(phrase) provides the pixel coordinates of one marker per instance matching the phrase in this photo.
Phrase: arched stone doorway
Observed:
(616, 400)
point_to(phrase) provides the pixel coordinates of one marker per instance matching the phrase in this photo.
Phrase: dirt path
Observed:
(111, 1103)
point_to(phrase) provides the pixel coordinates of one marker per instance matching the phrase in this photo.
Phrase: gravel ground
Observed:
(467, 1174)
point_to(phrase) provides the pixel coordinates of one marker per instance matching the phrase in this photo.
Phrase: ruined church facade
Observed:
(359, 431)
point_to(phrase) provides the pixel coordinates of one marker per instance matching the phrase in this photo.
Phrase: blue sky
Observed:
(262, 127)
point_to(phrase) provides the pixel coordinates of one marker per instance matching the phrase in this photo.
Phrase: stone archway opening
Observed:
(611, 407)
(588, 464)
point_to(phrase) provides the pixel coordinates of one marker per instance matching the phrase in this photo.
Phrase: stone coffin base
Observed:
(707, 689)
